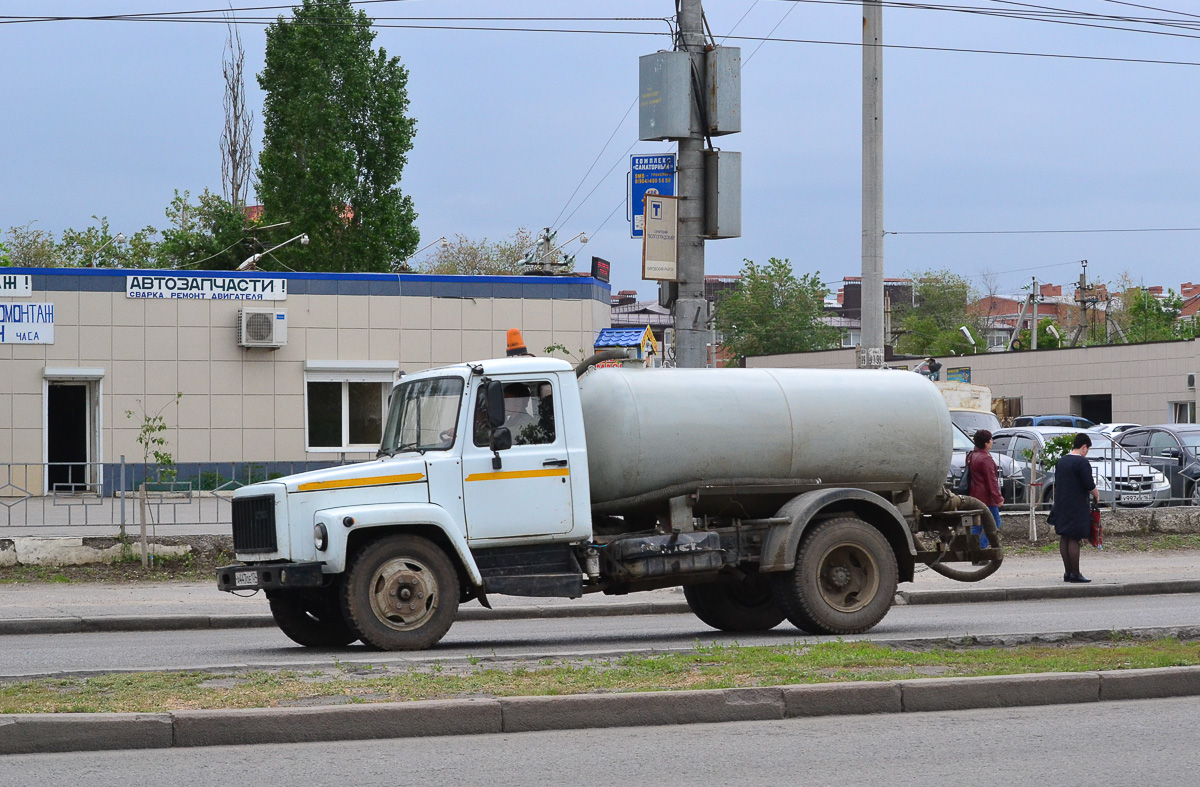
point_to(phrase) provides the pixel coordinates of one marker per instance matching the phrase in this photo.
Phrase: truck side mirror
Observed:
(494, 396)
(501, 440)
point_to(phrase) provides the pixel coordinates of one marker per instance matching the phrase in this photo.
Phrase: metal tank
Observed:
(648, 429)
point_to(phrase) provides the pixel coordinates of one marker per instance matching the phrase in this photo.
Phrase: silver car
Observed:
(1122, 480)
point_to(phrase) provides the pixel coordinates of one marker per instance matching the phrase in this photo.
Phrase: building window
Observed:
(344, 405)
(1183, 412)
(851, 338)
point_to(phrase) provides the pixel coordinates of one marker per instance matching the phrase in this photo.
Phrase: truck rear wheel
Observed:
(401, 593)
(844, 580)
(311, 617)
(748, 605)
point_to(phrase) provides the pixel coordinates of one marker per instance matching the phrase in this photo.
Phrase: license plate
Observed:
(245, 579)
(1136, 498)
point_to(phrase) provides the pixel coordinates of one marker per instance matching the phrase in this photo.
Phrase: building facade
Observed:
(1151, 383)
(244, 367)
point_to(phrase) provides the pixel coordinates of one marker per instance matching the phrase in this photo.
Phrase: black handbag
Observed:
(962, 486)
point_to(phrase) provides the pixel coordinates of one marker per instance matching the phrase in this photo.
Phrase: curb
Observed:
(61, 732)
(80, 625)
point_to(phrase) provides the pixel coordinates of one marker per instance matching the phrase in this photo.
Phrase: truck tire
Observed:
(844, 580)
(748, 605)
(312, 617)
(401, 593)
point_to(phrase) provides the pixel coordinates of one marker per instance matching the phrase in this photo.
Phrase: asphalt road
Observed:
(53, 653)
(1136, 743)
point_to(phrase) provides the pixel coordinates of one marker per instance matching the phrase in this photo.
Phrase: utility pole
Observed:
(690, 309)
(1036, 294)
(872, 186)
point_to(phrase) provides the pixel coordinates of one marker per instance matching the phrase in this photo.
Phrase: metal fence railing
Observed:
(60, 494)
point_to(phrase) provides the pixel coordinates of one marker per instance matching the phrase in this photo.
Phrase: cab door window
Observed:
(528, 413)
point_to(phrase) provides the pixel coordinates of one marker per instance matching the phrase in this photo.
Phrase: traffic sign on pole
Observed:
(648, 175)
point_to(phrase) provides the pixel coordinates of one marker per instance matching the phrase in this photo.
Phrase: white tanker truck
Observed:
(765, 493)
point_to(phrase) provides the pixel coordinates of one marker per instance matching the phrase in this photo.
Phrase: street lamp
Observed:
(533, 259)
(96, 254)
(251, 262)
(970, 338)
(402, 265)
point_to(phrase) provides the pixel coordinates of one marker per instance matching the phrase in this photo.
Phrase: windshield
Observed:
(423, 416)
(961, 441)
(970, 421)
(1104, 449)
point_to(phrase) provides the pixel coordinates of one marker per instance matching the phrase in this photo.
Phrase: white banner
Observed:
(16, 285)
(660, 252)
(26, 323)
(206, 288)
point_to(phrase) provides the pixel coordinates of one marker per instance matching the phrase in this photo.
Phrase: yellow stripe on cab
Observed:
(347, 483)
(505, 475)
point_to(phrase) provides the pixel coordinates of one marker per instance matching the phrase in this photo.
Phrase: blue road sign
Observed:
(648, 175)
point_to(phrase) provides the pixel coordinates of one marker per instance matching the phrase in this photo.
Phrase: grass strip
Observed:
(708, 667)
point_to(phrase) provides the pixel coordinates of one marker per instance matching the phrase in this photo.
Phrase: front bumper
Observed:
(269, 576)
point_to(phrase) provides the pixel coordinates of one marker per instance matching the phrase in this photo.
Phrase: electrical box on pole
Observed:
(722, 194)
(665, 98)
(723, 90)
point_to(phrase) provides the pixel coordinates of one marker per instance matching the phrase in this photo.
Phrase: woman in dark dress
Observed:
(1071, 515)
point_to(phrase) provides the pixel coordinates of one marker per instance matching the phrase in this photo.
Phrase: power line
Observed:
(1043, 232)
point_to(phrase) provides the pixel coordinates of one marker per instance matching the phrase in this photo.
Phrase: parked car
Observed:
(1069, 421)
(1122, 480)
(1012, 476)
(1173, 450)
(971, 421)
(1114, 429)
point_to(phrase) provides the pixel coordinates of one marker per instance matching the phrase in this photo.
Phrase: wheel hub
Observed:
(403, 594)
(849, 577)
(839, 577)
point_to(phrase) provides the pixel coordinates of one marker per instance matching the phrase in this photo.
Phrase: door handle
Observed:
(555, 463)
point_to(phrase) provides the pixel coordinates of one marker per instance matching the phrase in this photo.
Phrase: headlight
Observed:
(1159, 478)
(1102, 483)
(320, 537)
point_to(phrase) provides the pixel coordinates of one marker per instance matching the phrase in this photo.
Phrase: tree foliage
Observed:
(336, 137)
(773, 311)
(1046, 340)
(31, 248)
(1148, 318)
(97, 247)
(209, 235)
(237, 156)
(481, 257)
(932, 326)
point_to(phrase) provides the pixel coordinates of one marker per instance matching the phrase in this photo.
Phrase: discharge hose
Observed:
(993, 534)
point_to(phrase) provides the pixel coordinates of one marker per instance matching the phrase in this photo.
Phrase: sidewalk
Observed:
(58, 608)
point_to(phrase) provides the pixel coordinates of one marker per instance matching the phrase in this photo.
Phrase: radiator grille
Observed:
(254, 524)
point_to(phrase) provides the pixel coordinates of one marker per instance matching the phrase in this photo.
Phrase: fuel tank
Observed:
(648, 429)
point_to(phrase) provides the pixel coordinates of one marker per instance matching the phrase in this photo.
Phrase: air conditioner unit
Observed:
(262, 328)
(1191, 382)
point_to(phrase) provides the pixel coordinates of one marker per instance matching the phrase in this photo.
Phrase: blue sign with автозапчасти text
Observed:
(648, 175)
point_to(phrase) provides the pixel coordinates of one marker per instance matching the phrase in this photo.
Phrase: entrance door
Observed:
(68, 429)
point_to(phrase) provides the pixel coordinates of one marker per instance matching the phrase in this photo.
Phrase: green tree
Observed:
(469, 257)
(31, 248)
(3, 254)
(1153, 319)
(209, 235)
(97, 246)
(1046, 340)
(773, 311)
(933, 325)
(336, 137)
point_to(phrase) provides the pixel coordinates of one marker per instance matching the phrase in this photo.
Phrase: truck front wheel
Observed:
(844, 580)
(748, 605)
(311, 617)
(401, 593)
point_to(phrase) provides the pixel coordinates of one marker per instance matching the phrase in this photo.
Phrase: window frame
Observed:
(345, 373)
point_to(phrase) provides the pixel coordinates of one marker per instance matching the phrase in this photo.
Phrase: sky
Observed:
(524, 129)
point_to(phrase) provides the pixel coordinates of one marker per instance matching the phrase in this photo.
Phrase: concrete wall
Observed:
(249, 404)
(1143, 379)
